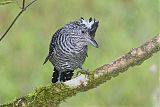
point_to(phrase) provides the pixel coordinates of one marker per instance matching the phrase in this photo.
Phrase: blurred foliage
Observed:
(3, 2)
(124, 24)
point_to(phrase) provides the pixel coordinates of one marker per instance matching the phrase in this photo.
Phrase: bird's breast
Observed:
(70, 60)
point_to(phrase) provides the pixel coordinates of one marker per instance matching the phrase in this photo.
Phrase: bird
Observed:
(68, 48)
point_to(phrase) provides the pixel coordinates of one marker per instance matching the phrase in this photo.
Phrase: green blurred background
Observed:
(124, 24)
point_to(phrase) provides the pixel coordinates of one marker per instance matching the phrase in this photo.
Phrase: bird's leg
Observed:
(59, 78)
(60, 82)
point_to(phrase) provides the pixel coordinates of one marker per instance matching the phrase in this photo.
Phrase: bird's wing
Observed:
(52, 45)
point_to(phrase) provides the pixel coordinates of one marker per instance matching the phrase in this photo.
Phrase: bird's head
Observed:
(83, 31)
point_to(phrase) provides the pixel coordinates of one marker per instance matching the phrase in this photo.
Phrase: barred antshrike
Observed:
(68, 48)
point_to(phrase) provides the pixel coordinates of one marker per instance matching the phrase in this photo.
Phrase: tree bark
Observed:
(52, 95)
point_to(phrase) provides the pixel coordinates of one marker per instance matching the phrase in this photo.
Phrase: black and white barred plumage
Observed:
(68, 48)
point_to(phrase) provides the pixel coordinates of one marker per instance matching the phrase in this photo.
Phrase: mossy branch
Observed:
(52, 95)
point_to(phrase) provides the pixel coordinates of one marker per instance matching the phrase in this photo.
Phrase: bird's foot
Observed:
(83, 71)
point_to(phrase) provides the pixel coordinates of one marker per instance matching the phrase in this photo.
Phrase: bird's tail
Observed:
(46, 59)
(61, 76)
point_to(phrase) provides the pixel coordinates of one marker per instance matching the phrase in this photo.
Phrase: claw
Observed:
(83, 71)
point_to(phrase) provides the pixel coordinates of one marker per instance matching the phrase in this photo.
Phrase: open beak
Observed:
(93, 42)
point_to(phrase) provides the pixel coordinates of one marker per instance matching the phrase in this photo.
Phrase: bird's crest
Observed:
(92, 24)
(89, 23)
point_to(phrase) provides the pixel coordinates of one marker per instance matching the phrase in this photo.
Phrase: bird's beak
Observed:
(93, 42)
(92, 32)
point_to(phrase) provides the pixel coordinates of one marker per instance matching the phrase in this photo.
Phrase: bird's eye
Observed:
(83, 31)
